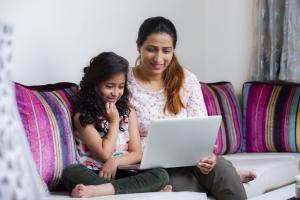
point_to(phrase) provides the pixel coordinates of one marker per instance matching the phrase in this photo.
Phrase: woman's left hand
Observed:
(109, 168)
(205, 165)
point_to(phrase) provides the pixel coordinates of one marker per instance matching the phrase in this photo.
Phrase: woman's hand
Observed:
(205, 165)
(112, 112)
(109, 168)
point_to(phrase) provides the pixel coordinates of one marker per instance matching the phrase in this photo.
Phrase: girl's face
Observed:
(156, 52)
(112, 89)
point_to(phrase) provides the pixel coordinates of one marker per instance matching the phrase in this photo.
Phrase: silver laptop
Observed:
(178, 142)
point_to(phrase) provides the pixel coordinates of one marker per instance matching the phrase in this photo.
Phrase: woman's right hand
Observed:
(112, 113)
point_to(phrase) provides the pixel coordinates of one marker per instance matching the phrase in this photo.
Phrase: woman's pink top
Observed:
(149, 105)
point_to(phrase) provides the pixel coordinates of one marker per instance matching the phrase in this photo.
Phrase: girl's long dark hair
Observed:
(89, 102)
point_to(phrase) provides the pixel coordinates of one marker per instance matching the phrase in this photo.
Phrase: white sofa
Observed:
(273, 170)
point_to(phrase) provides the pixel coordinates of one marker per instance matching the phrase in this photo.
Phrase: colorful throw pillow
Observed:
(220, 100)
(271, 113)
(46, 113)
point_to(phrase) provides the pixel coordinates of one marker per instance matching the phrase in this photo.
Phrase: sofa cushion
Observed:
(220, 100)
(46, 113)
(273, 170)
(139, 196)
(271, 117)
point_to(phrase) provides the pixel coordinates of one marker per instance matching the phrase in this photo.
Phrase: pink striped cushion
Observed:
(271, 116)
(220, 100)
(46, 115)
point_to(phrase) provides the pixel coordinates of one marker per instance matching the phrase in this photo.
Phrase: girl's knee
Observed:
(70, 170)
(162, 174)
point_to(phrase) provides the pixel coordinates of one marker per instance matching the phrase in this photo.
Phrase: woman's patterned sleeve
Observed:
(195, 104)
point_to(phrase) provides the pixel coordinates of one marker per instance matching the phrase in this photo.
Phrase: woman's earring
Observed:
(138, 61)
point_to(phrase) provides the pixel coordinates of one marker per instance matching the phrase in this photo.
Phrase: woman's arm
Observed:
(102, 148)
(195, 105)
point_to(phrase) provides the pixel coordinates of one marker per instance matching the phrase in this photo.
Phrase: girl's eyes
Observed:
(109, 86)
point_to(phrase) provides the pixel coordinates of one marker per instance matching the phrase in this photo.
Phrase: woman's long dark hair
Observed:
(173, 76)
(89, 102)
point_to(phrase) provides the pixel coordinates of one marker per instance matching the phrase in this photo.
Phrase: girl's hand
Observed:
(112, 112)
(205, 165)
(109, 168)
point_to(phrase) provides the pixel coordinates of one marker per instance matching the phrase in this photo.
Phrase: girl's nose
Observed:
(114, 92)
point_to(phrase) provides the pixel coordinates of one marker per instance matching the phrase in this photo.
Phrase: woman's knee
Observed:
(227, 182)
(224, 166)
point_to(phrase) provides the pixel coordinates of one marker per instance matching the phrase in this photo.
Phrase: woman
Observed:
(162, 88)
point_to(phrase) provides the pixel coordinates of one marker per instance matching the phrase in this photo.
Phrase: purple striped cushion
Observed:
(271, 117)
(220, 100)
(46, 115)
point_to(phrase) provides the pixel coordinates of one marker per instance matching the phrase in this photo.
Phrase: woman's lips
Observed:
(157, 66)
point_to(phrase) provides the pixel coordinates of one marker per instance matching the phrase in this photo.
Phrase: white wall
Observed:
(229, 41)
(55, 39)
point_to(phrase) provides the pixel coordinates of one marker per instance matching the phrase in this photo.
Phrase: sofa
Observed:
(260, 133)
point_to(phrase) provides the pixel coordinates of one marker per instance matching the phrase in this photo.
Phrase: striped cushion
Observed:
(220, 100)
(271, 117)
(46, 115)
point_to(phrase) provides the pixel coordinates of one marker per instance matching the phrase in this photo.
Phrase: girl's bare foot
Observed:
(246, 175)
(83, 191)
(167, 188)
(78, 191)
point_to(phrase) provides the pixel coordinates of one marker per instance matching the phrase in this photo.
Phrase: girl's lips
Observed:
(111, 100)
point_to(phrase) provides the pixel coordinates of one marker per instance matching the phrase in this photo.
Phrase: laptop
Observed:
(178, 142)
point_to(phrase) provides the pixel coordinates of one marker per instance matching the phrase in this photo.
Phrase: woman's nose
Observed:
(158, 57)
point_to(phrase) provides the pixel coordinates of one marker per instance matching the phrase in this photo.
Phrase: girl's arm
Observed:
(134, 155)
(102, 148)
(134, 145)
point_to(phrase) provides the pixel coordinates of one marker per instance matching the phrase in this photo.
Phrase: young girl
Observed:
(107, 135)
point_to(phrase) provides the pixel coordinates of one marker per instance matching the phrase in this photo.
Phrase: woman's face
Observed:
(112, 89)
(156, 52)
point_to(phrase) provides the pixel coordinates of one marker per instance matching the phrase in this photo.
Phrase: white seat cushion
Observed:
(273, 170)
(139, 196)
